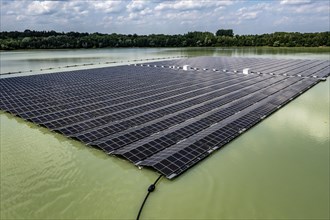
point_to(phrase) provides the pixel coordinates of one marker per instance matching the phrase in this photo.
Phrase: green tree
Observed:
(225, 32)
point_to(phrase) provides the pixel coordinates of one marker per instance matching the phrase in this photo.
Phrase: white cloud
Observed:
(136, 5)
(108, 6)
(73, 9)
(42, 7)
(168, 16)
(312, 8)
(20, 17)
(249, 13)
(184, 15)
(190, 5)
(146, 11)
(10, 13)
(282, 20)
(295, 2)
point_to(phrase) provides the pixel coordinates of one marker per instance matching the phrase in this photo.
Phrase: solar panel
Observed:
(158, 114)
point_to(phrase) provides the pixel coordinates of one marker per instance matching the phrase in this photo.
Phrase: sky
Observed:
(166, 16)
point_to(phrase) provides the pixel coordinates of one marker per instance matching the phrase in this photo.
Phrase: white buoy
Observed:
(186, 67)
(246, 71)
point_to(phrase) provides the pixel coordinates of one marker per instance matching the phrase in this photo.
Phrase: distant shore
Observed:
(318, 49)
(15, 40)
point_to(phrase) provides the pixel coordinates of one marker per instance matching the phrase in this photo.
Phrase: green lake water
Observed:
(279, 169)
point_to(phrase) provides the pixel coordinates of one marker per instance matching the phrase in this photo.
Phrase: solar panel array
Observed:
(156, 114)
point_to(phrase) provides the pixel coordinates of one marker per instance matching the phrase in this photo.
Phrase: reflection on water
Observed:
(277, 170)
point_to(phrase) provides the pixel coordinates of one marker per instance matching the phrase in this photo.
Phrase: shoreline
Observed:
(326, 48)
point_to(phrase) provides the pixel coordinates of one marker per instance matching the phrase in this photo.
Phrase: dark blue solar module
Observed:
(168, 115)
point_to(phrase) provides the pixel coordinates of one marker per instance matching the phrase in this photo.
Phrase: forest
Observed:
(30, 39)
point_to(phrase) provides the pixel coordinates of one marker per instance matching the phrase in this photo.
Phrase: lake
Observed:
(277, 170)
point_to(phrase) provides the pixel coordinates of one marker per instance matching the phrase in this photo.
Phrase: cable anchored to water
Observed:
(151, 188)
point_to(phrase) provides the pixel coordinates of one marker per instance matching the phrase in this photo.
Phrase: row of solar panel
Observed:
(287, 67)
(46, 103)
(111, 86)
(139, 153)
(124, 84)
(126, 110)
(294, 68)
(216, 133)
(206, 92)
(95, 103)
(278, 67)
(132, 98)
(25, 104)
(96, 74)
(273, 65)
(221, 98)
(174, 163)
(302, 69)
(313, 68)
(49, 101)
(135, 154)
(228, 63)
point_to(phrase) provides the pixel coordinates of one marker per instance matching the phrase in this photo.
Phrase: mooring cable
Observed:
(151, 188)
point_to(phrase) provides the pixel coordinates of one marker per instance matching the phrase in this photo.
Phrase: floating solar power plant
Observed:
(167, 115)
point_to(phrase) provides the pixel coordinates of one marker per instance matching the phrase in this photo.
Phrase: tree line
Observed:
(28, 39)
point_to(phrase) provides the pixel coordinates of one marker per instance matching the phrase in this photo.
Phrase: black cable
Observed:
(151, 188)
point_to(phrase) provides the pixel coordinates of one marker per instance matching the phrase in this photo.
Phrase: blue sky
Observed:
(166, 17)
